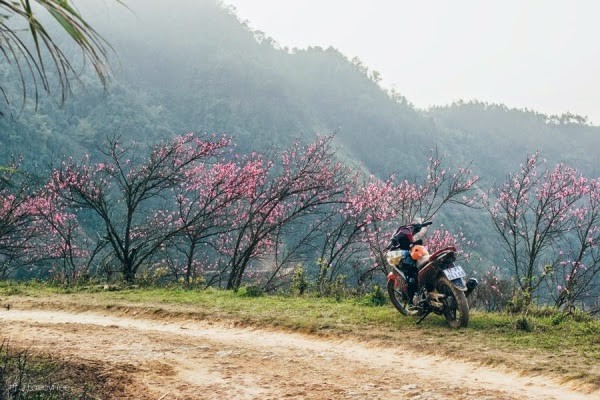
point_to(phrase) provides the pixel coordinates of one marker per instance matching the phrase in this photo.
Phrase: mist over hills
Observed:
(204, 70)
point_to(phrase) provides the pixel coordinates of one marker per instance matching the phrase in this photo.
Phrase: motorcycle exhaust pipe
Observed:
(471, 285)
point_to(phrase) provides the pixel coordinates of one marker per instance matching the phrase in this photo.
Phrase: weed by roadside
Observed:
(25, 376)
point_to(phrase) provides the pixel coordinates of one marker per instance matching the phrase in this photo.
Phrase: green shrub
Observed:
(251, 291)
(524, 323)
(377, 297)
(299, 280)
(558, 319)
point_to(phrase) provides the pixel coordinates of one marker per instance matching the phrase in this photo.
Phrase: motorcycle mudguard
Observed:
(394, 275)
(460, 284)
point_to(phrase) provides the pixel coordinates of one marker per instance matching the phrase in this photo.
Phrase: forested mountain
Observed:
(497, 138)
(205, 70)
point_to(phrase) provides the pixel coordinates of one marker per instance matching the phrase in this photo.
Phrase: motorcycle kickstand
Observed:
(423, 317)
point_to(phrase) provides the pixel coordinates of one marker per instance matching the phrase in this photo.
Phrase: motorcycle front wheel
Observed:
(396, 290)
(456, 308)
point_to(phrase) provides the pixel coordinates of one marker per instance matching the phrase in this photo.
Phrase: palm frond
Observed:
(44, 50)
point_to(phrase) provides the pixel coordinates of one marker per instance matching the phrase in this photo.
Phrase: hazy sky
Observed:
(543, 55)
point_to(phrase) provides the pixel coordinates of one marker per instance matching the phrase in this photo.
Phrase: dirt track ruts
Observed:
(199, 360)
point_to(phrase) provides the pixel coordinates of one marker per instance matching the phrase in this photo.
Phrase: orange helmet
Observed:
(418, 251)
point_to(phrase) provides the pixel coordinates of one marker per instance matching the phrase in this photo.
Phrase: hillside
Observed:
(207, 71)
(498, 137)
(210, 72)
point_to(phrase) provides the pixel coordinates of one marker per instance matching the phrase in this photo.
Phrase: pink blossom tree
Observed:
(294, 247)
(442, 186)
(494, 292)
(351, 228)
(532, 214)
(59, 237)
(34, 227)
(128, 193)
(576, 274)
(15, 222)
(204, 202)
(304, 179)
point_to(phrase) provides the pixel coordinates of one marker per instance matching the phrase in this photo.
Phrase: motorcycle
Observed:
(434, 285)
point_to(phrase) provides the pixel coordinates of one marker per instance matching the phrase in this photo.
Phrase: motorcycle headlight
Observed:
(394, 257)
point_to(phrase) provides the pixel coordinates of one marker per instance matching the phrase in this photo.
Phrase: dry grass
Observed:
(28, 375)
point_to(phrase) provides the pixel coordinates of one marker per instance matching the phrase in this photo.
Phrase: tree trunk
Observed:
(190, 262)
(128, 274)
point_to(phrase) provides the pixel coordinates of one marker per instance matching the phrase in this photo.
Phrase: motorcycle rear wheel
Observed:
(456, 308)
(398, 297)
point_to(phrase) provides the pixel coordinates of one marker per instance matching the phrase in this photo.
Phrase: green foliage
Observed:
(520, 303)
(152, 277)
(299, 280)
(323, 268)
(377, 297)
(559, 319)
(523, 323)
(10, 288)
(338, 288)
(250, 291)
(499, 136)
(44, 50)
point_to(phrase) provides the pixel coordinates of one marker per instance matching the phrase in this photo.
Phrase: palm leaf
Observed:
(94, 47)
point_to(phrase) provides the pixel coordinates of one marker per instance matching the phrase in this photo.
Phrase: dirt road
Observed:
(199, 360)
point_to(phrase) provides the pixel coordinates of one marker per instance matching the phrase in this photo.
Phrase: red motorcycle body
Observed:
(441, 289)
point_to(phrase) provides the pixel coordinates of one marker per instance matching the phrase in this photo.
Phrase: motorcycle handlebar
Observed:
(418, 227)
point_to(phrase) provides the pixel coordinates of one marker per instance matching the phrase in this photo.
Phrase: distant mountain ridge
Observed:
(232, 79)
(204, 70)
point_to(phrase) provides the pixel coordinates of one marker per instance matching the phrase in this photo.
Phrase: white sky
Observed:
(542, 54)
